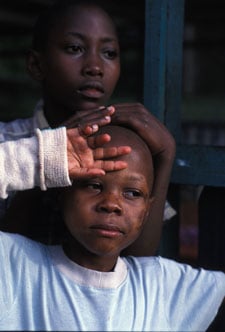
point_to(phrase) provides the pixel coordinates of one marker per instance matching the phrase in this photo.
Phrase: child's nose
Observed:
(93, 66)
(111, 203)
(93, 71)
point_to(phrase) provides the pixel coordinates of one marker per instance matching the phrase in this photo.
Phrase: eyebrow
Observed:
(81, 36)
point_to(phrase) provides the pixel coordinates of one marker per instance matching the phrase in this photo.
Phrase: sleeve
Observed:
(193, 296)
(37, 161)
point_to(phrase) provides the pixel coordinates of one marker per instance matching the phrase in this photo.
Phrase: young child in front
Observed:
(84, 284)
(78, 71)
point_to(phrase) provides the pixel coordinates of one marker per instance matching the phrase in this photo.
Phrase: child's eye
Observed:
(74, 49)
(132, 193)
(94, 186)
(111, 54)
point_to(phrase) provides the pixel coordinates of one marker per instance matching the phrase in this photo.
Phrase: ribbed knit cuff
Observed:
(53, 163)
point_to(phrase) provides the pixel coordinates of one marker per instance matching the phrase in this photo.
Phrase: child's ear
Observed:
(34, 65)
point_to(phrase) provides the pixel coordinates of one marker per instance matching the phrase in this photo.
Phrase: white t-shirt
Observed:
(41, 289)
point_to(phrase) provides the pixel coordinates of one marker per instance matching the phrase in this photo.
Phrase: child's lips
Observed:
(91, 93)
(110, 231)
(92, 90)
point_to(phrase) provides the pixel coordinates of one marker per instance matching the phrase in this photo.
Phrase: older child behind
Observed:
(83, 284)
(78, 71)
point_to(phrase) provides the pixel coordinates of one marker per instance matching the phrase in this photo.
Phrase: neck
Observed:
(54, 118)
(80, 255)
(56, 115)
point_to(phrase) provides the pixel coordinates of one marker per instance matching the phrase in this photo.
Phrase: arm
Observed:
(27, 162)
(54, 156)
(162, 145)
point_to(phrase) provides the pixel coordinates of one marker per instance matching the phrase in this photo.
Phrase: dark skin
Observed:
(162, 146)
(104, 215)
(78, 71)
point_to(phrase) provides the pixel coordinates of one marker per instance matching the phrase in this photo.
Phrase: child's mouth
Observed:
(93, 90)
(90, 93)
(104, 231)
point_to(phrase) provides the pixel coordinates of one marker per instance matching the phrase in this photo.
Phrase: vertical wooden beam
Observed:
(174, 66)
(162, 81)
(163, 60)
(155, 56)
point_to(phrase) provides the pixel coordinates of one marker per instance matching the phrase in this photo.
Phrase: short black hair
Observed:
(48, 18)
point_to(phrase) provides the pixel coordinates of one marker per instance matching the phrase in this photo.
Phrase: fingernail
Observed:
(111, 109)
(107, 118)
(95, 127)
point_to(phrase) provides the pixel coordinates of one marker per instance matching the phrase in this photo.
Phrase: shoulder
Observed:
(178, 281)
(23, 127)
(11, 239)
(154, 262)
(19, 247)
(16, 129)
(173, 272)
(180, 289)
(142, 263)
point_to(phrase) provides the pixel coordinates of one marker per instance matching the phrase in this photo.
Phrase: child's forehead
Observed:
(76, 15)
(85, 18)
(140, 158)
(90, 11)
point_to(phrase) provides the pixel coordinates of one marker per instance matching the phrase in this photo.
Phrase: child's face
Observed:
(81, 63)
(106, 214)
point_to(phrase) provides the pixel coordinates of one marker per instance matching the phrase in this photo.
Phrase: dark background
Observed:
(18, 93)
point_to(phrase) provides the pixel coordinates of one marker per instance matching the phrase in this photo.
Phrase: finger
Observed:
(85, 173)
(88, 129)
(101, 167)
(111, 165)
(126, 106)
(100, 120)
(101, 117)
(112, 152)
(98, 140)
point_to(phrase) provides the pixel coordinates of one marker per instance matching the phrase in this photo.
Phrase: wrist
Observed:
(53, 158)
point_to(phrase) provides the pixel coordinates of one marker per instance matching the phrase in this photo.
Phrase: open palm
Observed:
(87, 155)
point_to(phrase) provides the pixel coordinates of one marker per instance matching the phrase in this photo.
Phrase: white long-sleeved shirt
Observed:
(23, 128)
(40, 160)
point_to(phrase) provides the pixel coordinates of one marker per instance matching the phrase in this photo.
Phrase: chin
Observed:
(104, 252)
(90, 104)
